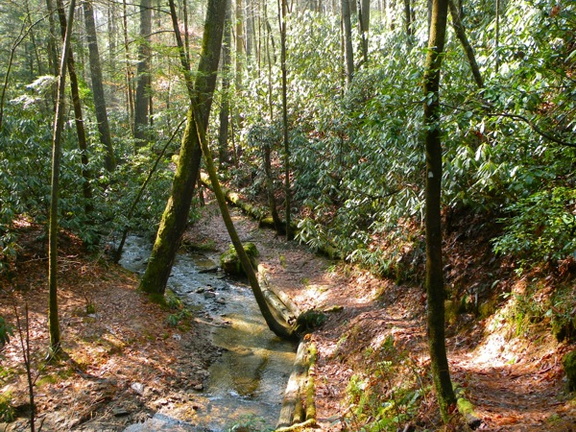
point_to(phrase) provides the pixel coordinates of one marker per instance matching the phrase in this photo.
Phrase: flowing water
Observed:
(248, 380)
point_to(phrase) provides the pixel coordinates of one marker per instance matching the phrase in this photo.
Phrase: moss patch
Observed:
(569, 363)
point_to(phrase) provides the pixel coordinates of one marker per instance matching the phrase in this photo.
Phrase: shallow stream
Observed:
(247, 382)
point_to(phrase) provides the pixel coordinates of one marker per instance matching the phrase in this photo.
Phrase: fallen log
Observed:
(233, 198)
(298, 408)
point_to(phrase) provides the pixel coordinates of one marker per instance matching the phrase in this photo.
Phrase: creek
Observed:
(247, 382)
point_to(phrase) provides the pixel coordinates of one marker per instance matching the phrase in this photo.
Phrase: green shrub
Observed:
(540, 228)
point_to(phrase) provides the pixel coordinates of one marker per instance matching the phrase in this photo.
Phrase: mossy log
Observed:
(233, 198)
(298, 408)
(467, 410)
(263, 217)
(299, 427)
(287, 302)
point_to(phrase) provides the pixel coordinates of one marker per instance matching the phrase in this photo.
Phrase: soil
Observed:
(125, 360)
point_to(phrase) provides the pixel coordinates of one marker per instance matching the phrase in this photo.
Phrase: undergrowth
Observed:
(389, 392)
(540, 304)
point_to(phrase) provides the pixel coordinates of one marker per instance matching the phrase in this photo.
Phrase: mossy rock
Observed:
(569, 362)
(230, 262)
(309, 321)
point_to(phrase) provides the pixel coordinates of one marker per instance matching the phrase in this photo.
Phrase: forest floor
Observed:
(125, 362)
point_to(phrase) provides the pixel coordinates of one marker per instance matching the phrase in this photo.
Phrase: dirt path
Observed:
(515, 385)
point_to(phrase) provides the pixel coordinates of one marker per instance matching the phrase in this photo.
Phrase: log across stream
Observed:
(247, 382)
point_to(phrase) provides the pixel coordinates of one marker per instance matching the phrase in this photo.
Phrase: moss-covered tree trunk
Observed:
(434, 275)
(175, 216)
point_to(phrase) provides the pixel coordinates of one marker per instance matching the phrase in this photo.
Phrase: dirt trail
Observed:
(515, 385)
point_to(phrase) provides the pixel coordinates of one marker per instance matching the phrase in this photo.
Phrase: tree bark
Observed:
(270, 190)
(497, 38)
(98, 87)
(283, 12)
(239, 43)
(175, 216)
(408, 19)
(78, 116)
(129, 73)
(53, 318)
(223, 154)
(348, 50)
(468, 50)
(434, 275)
(364, 23)
(143, 79)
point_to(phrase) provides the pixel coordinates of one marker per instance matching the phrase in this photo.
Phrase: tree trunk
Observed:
(283, 12)
(143, 79)
(239, 43)
(98, 87)
(175, 216)
(408, 20)
(52, 50)
(364, 25)
(249, 30)
(434, 276)
(348, 51)
(53, 319)
(270, 191)
(461, 35)
(353, 7)
(18, 41)
(129, 73)
(112, 33)
(223, 154)
(186, 28)
(78, 116)
(497, 38)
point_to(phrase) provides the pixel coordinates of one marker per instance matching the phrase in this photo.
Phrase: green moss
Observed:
(310, 320)
(230, 262)
(157, 298)
(569, 362)
(451, 309)
(7, 411)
